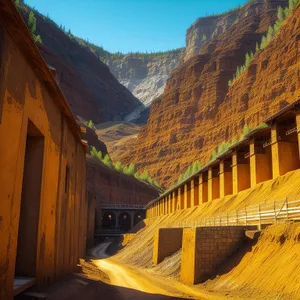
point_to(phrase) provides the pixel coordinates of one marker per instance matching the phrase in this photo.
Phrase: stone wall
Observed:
(205, 248)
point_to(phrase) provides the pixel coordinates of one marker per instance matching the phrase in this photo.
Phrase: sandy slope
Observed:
(269, 270)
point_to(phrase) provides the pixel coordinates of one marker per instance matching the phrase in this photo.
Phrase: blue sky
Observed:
(131, 25)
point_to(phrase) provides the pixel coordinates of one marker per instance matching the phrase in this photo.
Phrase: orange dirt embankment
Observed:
(198, 111)
(257, 267)
(271, 270)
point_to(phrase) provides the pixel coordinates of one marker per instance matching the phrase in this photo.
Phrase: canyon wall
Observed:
(145, 75)
(198, 110)
(87, 83)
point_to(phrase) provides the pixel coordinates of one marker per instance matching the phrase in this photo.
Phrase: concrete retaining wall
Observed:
(167, 241)
(205, 248)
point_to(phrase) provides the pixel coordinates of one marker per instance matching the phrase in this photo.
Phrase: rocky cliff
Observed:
(198, 110)
(88, 85)
(145, 75)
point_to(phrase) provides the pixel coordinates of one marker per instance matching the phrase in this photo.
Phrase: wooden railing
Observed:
(271, 212)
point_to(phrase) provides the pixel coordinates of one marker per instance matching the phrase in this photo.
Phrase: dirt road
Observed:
(130, 278)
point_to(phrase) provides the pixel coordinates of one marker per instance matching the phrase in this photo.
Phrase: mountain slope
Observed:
(198, 110)
(91, 90)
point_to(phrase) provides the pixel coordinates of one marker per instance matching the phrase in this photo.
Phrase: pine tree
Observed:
(264, 43)
(276, 27)
(118, 166)
(38, 39)
(32, 22)
(280, 14)
(270, 34)
(107, 161)
(256, 47)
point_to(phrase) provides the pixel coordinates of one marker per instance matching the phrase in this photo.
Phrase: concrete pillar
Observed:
(173, 201)
(196, 191)
(213, 184)
(275, 152)
(200, 189)
(187, 196)
(298, 130)
(192, 193)
(181, 197)
(170, 204)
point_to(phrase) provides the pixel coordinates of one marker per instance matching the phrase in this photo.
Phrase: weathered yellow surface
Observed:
(62, 206)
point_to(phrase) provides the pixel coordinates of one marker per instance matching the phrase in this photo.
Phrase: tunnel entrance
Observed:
(108, 220)
(26, 258)
(138, 216)
(125, 221)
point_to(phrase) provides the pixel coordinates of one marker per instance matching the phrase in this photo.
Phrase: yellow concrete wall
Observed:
(228, 183)
(170, 204)
(234, 173)
(167, 241)
(210, 185)
(200, 189)
(260, 165)
(204, 192)
(243, 176)
(62, 217)
(275, 152)
(173, 202)
(288, 157)
(222, 180)
(215, 188)
(298, 130)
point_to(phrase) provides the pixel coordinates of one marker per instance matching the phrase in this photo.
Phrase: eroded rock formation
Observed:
(198, 110)
(144, 75)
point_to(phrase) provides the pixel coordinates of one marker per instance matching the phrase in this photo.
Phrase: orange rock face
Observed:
(198, 111)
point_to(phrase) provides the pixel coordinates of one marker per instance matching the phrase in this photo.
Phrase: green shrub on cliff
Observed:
(282, 14)
(192, 169)
(89, 124)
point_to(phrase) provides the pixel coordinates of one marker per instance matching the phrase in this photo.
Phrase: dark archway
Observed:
(138, 216)
(125, 221)
(108, 220)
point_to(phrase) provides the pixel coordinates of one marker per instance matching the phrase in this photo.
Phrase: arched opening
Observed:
(138, 216)
(125, 221)
(108, 220)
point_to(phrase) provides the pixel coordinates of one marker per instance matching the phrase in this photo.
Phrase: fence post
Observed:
(275, 217)
(259, 213)
(287, 208)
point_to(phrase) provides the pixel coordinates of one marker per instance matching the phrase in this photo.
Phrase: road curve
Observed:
(123, 276)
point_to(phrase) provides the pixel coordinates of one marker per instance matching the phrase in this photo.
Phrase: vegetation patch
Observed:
(282, 14)
(128, 170)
